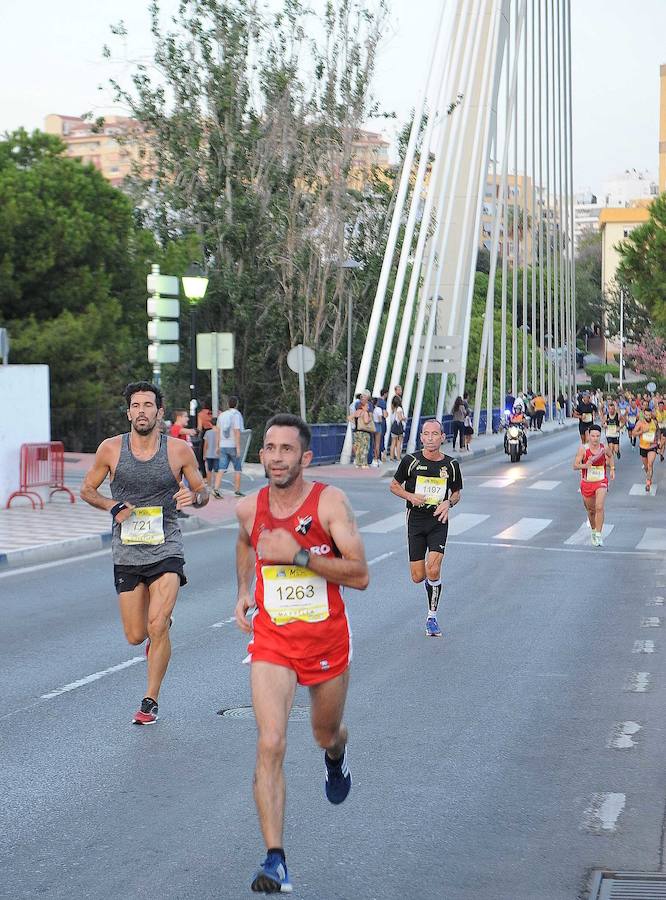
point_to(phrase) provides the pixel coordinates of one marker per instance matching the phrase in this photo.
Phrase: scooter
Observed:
(515, 440)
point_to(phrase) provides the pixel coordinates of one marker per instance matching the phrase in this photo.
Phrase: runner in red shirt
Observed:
(301, 541)
(593, 461)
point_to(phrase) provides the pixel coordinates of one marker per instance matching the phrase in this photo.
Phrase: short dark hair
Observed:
(595, 428)
(138, 387)
(288, 420)
(233, 402)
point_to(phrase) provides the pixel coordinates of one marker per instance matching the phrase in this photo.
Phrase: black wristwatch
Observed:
(302, 558)
(119, 507)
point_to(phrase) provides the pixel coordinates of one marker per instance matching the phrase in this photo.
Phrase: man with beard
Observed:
(147, 472)
(300, 540)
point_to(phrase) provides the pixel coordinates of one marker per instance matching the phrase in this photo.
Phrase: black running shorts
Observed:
(425, 532)
(614, 440)
(127, 578)
(645, 450)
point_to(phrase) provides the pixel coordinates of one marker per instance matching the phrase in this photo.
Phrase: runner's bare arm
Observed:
(245, 559)
(337, 517)
(578, 461)
(100, 468)
(197, 493)
(399, 491)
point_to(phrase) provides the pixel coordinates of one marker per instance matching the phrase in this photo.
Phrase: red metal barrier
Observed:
(42, 465)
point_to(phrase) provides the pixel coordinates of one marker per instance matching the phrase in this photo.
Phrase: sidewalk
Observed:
(63, 529)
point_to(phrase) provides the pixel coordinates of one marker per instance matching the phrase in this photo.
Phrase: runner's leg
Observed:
(591, 511)
(273, 689)
(599, 501)
(134, 613)
(327, 705)
(433, 570)
(649, 459)
(163, 594)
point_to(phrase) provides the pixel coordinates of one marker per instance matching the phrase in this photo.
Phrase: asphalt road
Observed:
(505, 761)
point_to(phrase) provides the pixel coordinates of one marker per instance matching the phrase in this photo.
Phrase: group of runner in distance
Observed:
(299, 543)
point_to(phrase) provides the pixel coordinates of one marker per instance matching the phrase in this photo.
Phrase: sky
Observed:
(51, 61)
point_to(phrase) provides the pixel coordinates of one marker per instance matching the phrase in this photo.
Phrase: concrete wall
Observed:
(24, 418)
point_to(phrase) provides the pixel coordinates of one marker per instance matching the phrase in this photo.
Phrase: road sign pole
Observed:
(301, 380)
(213, 376)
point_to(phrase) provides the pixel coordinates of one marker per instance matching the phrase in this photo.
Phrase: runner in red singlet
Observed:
(593, 461)
(301, 541)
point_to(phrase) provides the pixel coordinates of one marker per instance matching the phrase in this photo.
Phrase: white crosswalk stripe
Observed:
(653, 539)
(544, 485)
(497, 482)
(583, 535)
(391, 523)
(524, 529)
(462, 522)
(639, 489)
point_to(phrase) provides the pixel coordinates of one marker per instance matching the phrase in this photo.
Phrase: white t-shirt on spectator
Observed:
(228, 421)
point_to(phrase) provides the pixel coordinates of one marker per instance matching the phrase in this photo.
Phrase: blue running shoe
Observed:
(338, 778)
(272, 877)
(432, 628)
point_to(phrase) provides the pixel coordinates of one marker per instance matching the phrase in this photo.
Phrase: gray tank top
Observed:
(150, 484)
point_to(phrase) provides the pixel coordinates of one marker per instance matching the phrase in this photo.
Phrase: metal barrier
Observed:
(42, 465)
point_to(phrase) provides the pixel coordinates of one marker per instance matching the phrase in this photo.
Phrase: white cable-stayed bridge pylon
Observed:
(441, 207)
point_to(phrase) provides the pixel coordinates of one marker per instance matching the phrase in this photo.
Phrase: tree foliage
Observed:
(589, 293)
(250, 124)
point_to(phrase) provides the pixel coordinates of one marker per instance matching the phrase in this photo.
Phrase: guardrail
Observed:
(42, 465)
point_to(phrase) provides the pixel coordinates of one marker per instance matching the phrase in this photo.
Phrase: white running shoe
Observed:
(600, 539)
(595, 539)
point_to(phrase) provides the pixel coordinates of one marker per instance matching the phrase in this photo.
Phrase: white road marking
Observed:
(524, 529)
(650, 622)
(643, 647)
(582, 536)
(94, 677)
(602, 814)
(638, 682)
(639, 489)
(544, 485)
(462, 522)
(383, 556)
(360, 512)
(223, 622)
(622, 736)
(592, 551)
(653, 539)
(391, 523)
(497, 482)
(657, 601)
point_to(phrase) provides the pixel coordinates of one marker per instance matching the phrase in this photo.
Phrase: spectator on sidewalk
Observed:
(211, 450)
(561, 408)
(364, 427)
(397, 395)
(469, 429)
(230, 424)
(459, 413)
(179, 427)
(397, 429)
(379, 416)
(539, 405)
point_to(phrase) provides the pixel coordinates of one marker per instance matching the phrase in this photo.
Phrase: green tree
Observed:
(589, 295)
(642, 265)
(250, 123)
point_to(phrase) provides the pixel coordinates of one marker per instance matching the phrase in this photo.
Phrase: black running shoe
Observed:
(272, 876)
(338, 778)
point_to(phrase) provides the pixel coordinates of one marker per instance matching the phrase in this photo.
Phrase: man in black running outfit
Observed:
(431, 483)
(147, 471)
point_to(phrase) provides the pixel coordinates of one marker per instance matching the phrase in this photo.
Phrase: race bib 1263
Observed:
(144, 526)
(292, 593)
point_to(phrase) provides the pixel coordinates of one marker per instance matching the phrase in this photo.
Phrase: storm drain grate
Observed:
(628, 886)
(297, 714)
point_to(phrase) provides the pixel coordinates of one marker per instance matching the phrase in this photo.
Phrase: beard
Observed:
(146, 427)
(286, 478)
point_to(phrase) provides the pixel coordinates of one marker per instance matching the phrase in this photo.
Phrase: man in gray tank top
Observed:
(147, 471)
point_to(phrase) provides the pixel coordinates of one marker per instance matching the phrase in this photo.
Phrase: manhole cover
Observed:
(628, 886)
(297, 714)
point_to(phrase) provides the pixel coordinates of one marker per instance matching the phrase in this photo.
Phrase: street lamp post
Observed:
(194, 287)
(349, 264)
(621, 339)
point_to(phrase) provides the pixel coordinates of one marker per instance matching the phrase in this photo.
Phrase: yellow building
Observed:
(615, 226)
(519, 186)
(100, 145)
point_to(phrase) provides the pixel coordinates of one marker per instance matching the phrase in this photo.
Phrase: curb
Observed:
(495, 448)
(70, 549)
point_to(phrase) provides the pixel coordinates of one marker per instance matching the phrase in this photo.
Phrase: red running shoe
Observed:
(147, 715)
